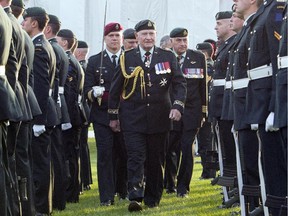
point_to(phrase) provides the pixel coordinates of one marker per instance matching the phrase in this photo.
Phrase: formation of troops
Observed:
(148, 105)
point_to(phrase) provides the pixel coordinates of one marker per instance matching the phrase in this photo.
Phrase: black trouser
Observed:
(71, 139)
(172, 159)
(41, 151)
(24, 169)
(106, 140)
(13, 195)
(204, 139)
(3, 170)
(274, 164)
(120, 165)
(86, 174)
(227, 144)
(58, 167)
(248, 146)
(187, 161)
(148, 149)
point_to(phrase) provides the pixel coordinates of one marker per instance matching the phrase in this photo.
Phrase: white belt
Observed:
(50, 92)
(228, 85)
(240, 83)
(260, 72)
(282, 62)
(61, 90)
(79, 98)
(219, 82)
(2, 70)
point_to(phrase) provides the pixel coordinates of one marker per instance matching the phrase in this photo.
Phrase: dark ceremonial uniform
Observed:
(247, 139)
(262, 69)
(106, 139)
(86, 173)
(57, 150)
(44, 71)
(24, 167)
(141, 114)
(281, 82)
(194, 71)
(9, 107)
(21, 93)
(216, 104)
(72, 91)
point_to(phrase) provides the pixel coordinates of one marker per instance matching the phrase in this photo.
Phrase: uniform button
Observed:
(233, 64)
(249, 48)
(148, 95)
(247, 64)
(148, 104)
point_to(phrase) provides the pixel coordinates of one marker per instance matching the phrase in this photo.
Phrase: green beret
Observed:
(35, 12)
(129, 34)
(223, 15)
(204, 46)
(18, 3)
(54, 19)
(66, 33)
(179, 32)
(82, 44)
(145, 25)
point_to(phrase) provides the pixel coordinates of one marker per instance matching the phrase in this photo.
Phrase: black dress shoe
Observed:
(170, 191)
(134, 206)
(152, 205)
(107, 203)
(182, 195)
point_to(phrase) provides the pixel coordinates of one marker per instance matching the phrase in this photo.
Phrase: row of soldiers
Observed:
(249, 98)
(44, 115)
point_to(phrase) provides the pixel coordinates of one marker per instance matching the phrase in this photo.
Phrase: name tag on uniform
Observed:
(193, 73)
(162, 68)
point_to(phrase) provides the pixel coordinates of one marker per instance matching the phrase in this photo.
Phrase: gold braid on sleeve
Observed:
(136, 72)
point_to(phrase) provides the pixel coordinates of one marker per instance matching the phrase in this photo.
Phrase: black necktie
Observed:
(114, 60)
(147, 59)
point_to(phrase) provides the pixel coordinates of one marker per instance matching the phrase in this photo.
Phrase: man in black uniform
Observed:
(193, 67)
(225, 36)
(86, 175)
(99, 76)
(9, 106)
(73, 95)
(44, 66)
(204, 136)
(260, 102)
(57, 151)
(280, 120)
(19, 68)
(144, 103)
(247, 138)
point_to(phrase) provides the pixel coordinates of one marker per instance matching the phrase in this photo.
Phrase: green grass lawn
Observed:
(202, 201)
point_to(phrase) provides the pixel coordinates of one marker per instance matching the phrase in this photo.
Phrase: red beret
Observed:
(112, 27)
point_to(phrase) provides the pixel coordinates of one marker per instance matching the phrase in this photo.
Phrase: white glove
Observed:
(38, 130)
(66, 126)
(98, 91)
(269, 126)
(59, 100)
(254, 126)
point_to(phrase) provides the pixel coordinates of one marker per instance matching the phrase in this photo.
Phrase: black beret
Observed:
(179, 32)
(223, 15)
(54, 19)
(145, 25)
(82, 44)
(66, 33)
(129, 33)
(34, 12)
(18, 3)
(112, 27)
(204, 46)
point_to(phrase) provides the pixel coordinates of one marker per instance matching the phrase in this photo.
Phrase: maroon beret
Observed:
(112, 27)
